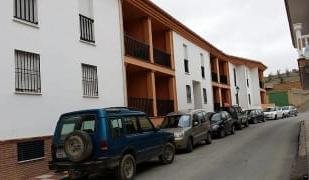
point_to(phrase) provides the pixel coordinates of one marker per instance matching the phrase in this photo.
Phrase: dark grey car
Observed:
(190, 127)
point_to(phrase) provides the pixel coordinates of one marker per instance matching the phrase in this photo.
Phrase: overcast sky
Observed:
(256, 29)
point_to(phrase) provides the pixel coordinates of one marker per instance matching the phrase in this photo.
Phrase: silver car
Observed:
(190, 127)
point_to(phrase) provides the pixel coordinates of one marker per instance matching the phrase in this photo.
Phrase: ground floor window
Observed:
(30, 150)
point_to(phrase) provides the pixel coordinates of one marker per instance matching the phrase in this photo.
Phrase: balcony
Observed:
(162, 58)
(164, 107)
(86, 28)
(136, 49)
(223, 79)
(214, 77)
(261, 84)
(142, 104)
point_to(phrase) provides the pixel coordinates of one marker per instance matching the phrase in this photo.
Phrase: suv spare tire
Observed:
(78, 146)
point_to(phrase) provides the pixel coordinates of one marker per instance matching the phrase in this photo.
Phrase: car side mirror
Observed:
(196, 123)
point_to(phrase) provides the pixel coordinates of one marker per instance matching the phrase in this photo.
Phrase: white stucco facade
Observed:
(244, 74)
(57, 40)
(197, 57)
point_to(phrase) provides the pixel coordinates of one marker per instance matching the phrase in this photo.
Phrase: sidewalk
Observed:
(301, 167)
(49, 176)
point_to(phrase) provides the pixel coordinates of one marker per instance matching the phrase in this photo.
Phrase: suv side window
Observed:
(131, 125)
(201, 117)
(145, 124)
(116, 127)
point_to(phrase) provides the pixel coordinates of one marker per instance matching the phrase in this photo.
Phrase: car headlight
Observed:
(215, 126)
(179, 135)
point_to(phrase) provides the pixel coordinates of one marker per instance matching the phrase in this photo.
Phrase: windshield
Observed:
(83, 122)
(216, 117)
(180, 121)
(270, 110)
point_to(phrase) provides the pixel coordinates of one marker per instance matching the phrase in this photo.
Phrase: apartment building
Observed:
(56, 56)
(247, 86)
(298, 13)
(94, 53)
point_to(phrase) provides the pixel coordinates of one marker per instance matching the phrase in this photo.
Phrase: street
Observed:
(263, 151)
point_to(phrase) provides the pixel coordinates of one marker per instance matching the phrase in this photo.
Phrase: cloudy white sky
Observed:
(256, 29)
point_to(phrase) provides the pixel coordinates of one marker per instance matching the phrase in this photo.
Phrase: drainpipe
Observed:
(124, 75)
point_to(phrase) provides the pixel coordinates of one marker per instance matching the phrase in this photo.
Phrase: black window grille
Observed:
(248, 85)
(205, 95)
(203, 71)
(86, 28)
(90, 80)
(189, 99)
(27, 72)
(249, 97)
(30, 150)
(186, 64)
(26, 10)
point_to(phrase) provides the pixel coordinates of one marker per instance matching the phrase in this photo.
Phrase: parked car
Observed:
(273, 113)
(290, 111)
(189, 127)
(117, 139)
(238, 115)
(255, 116)
(222, 124)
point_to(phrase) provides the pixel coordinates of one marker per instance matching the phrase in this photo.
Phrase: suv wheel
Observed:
(209, 138)
(189, 145)
(233, 129)
(222, 133)
(255, 121)
(127, 168)
(168, 154)
(247, 123)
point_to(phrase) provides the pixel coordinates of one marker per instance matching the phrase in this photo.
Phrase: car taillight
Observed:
(103, 146)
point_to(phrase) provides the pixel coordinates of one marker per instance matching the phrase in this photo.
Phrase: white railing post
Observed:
(299, 41)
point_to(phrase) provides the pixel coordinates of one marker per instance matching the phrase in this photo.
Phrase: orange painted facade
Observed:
(149, 28)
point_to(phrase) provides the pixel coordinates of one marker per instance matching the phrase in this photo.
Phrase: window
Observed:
(145, 124)
(203, 72)
(205, 95)
(27, 72)
(90, 80)
(248, 82)
(116, 127)
(186, 61)
(131, 125)
(86, 20)
(26, 10)
(30, 150)
(235, 77)
(188, 89)
(249, 97)
(186, 64)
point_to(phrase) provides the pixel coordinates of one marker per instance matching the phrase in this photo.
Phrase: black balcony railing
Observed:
(223, 79)
(143, 104)
(136, 48)
(86, 28)
(162, 58)
(261, 84)
(216, 106)
(164, 107)
(214, 77)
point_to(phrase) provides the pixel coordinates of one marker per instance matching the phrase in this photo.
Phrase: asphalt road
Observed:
(265, 151)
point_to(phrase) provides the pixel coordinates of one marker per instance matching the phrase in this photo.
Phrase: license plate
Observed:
(60, 154)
